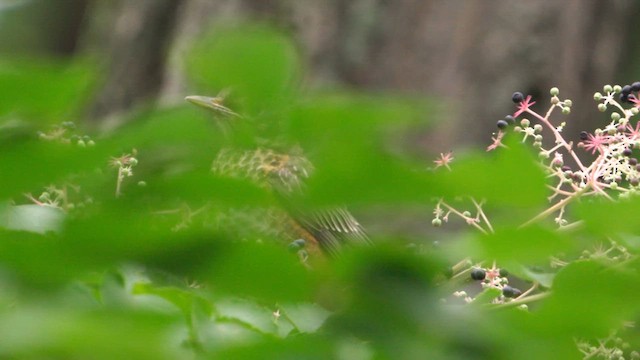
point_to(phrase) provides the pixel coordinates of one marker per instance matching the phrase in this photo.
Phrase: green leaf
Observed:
(589, 299)
(487, 295)
(256, 63)
(264, 272)
(41, 330)
(255, 317)
(605, 217)
(306, 317)
(545, 279)
(34, 218)
(348, 139)
(29, 164)
(44, 90)
(504, 177)
(526, 245)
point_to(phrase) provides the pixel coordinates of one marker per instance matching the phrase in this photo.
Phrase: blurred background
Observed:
(467, 56)
(371, 91)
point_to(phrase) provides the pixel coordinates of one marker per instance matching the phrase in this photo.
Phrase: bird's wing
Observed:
(334, 228)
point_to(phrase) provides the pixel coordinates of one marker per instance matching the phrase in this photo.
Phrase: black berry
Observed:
(584, 135)
(635, 86)
(511, 292)
(634, 182)
(564, 168)
(517, 97)
(624, 98)
(633, 161)
(478, 274)
(504, 273)
(627, 152)
(626, 90)
(510, 119)
(502, 124)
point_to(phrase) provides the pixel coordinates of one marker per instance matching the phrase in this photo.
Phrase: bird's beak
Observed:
(202, 101)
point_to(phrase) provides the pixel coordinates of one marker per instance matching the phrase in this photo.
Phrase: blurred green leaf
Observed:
(44, 90)
(182, 298)
(249, 313)
(602, 216)
(348, 140)
(299, 347)
(545, 279)
(25, 163)
(34, 218)
(306, 318)
(487, 295)
(506, 177)
(39, 331)
(527, 245)
(264, 272)
(589, 299)
(256, 63)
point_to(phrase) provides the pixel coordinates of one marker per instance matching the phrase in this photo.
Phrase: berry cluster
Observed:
(495, 278)
(612, 347)
(614, 173)
(66, 133)
(66, 197)
(626, 95)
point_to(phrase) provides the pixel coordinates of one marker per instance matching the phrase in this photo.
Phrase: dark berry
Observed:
(502, 124)
(517, 97)
(638, 167)
(624, 98)
(504, 273)
(635, 86)
(633, 161)
(626, 90)
(510, 119)
(511, 292)
(584, 135)
(627, 152)
(634, 182)
(478, 274)
(564, 168)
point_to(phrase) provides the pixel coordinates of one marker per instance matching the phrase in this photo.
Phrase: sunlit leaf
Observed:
(34, 218)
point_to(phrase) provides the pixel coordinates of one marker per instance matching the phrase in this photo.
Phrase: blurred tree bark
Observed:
(468, 55)
(42, 27)
(139, 33)
(471, 55)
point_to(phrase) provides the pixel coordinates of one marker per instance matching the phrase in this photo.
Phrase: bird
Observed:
(320, 233)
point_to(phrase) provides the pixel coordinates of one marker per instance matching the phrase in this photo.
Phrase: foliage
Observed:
(123, 247)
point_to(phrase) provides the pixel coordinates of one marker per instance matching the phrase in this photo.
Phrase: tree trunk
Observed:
(139, 37)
